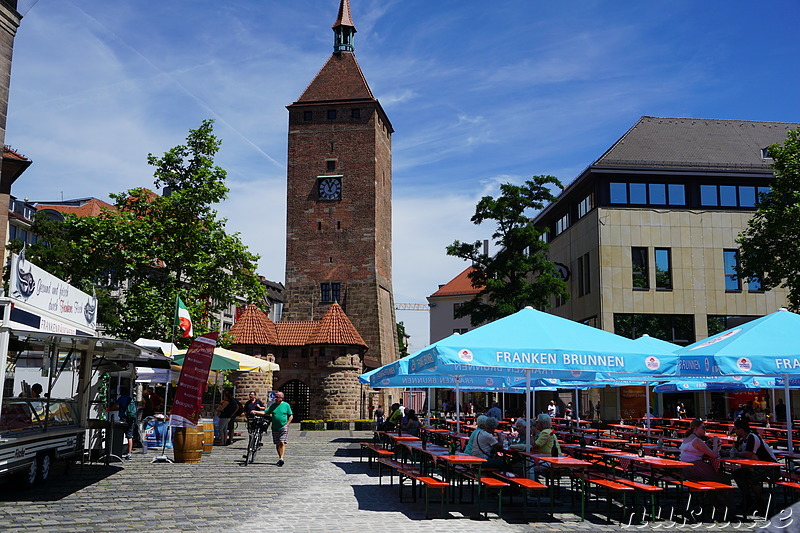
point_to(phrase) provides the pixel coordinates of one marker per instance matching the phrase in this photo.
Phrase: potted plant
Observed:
(312, 425)
(338, 424)
(366, 425)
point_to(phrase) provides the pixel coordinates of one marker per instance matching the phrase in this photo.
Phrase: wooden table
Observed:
(451, 461)
(562, 463)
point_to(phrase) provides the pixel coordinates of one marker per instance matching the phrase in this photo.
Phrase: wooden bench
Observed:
(488, 484)
(788, 486)
(394, 466)
(374, 450)
(645, 488)
(430, 483)
(611, 487)
(526, 485)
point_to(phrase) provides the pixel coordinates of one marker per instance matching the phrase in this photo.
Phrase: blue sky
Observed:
(479, 93)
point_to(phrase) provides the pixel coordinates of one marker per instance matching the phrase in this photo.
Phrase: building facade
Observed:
(339, 201)
(444, 303)
(647, 234)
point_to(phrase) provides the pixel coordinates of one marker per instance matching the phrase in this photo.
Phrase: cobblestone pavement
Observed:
(323, 487)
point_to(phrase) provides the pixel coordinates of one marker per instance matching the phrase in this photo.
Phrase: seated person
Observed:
(751, 480)
(393, 420)
(546, 444)
(411, 423)
(693, 449)
(483, 444)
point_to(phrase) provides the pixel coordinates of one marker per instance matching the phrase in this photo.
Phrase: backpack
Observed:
(130, 410)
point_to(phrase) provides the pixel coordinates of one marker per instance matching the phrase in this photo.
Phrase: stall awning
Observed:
(230, 360)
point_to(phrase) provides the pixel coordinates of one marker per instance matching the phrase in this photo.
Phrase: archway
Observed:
(297, 394)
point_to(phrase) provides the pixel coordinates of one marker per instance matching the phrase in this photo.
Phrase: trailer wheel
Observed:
(45, 465)
(29, 474)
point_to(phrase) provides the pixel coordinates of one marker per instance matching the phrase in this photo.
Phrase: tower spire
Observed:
(343, 29)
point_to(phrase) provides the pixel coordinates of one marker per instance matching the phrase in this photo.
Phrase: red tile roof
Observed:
(339, 79)
(294, 333)
(344, 18)
(91, 208)
(460, 284)
(254, 327)
(336, 328)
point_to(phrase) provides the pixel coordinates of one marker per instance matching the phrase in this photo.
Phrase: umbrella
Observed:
(546, 345)
(229, 360)
(762, 347)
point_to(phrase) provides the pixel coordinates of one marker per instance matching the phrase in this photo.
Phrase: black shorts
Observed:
(129, 423)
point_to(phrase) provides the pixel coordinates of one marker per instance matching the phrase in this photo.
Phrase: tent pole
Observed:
(773, 411)
(529, 424)
(790, 446)
(458, 407)
(705, 404)
(647, 406)
(577, 409)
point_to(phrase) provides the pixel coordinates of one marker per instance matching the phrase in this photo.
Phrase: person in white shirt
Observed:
(552, 409)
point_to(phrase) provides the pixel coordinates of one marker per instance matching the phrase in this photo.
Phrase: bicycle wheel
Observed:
(251, 445)
(255, 441)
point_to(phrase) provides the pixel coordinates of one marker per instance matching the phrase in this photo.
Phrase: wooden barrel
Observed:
(188, 445)
(208, 435)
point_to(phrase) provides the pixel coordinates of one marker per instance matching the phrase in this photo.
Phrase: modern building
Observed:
(339, 202)
(646, 235)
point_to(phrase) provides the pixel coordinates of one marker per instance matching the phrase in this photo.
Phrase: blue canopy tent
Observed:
(396, 374)
(765, 346)
(533, 343)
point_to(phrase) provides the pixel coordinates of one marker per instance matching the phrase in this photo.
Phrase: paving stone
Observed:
(322, 488)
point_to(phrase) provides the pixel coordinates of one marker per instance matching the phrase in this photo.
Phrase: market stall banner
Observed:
(193, 381)
(36, 287)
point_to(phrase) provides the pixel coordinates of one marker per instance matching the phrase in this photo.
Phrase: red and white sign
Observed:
(193, 381)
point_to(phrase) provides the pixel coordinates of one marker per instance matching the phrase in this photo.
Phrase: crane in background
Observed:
(410, 307)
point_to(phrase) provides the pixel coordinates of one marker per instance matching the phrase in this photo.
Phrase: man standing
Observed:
(495, 412)
(127, 413)
(282, 415)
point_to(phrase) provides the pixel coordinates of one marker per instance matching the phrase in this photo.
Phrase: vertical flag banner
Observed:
(193, 381)
(182, 318)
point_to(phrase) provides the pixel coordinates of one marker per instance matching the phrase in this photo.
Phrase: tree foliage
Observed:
(139, 257)
(402, 339)
(519, 274)
(770, 245)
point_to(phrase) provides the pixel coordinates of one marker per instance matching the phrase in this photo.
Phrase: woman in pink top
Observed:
(693, 449)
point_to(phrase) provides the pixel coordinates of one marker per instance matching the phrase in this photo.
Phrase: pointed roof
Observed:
(345, 17)
(254, 327)
(339, 79)
(459, 285)
(335, 328)
(92, 208)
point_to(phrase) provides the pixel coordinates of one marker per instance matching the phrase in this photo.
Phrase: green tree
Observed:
(402, 339)
(770, 245)
(519, 274)
(139, 257)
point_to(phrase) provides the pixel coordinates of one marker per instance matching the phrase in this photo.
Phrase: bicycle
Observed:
(257, 425)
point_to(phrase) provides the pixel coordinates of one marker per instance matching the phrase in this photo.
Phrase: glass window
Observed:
(639, 262)
(678, 329)
(12, 232)
(619, 193)
(708, 195)
(330, 166)
(456, 307)
(584, 206)
(663, 268)
(658, 193)
(355, 113)
(754, 284)
(747, 196)
(307, 115)
(727, 195)
(763, 190)
(562, 224)
(638, 193)
(731, 261)
(331, 114)
(336, 291)
(677, 194)
(325, 292)
(582, 275)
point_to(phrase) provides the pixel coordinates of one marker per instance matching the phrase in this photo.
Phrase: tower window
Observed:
(641, 274)
(355, 113)
(331, 114)
(336, 291)
(319, 226)
(330, 165)
(338, 224)
(307, 115)
(325, 292)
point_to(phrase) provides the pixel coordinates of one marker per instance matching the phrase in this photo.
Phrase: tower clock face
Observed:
(330, 189)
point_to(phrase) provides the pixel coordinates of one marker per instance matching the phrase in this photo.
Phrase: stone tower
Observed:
(339, 201)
